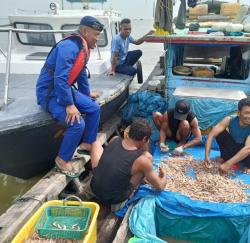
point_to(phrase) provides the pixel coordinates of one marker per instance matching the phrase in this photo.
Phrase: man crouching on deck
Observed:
(120, 167)
(178, 124)
(233, 136)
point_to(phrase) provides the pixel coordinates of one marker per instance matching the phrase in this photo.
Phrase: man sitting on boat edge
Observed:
(56, 93)
(121, 166)
(233, 136)
(178, 124)
(122, 60)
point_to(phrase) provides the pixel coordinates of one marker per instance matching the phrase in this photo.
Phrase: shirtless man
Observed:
(123, 164)
(178, 124)
(233, 136)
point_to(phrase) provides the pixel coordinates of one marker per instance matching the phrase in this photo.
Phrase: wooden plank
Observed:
(109, 228)
(14, 218)
(47, 188)
(198, 39)
(123, 234)
(157, 71)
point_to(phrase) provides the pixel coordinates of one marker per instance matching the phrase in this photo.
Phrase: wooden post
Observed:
(123, 234)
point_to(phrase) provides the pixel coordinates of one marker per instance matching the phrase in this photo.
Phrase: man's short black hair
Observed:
(125, 21)
(139, 129)
(243, 102)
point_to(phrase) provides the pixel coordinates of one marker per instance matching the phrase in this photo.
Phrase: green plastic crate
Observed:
(67, 222)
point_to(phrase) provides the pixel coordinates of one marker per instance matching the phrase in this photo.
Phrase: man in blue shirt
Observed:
(56, 94)
(122, 60)
(233, 136)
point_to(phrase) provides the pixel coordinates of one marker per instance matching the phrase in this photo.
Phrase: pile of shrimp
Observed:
(207, 183)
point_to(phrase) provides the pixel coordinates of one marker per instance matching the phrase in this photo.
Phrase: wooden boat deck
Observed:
(23, 109)
(110, 227)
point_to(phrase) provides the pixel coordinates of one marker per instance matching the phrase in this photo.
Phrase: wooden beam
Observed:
(123, 234)
(109, 228)
(47, 188)
(16, 216)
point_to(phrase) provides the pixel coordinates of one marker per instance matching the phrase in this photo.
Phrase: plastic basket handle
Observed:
(65, 200)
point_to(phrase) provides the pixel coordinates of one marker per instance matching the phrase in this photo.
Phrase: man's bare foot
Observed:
(63, 164)
(218, 160)
(69, 168)
(247, 171)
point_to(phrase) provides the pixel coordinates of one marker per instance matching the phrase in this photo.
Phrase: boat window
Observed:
(103, 39)
(224, 62)
(118, 27)
(35, 39)
(115, 28)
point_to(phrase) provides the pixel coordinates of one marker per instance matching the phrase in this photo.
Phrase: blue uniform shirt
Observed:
(120, 46)
(60, 61)
(238, 133)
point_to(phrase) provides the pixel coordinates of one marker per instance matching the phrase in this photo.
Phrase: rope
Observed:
(26, 199)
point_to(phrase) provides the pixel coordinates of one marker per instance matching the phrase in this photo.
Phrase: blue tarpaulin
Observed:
(161, 214)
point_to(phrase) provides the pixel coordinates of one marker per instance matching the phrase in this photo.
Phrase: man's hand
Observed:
(162, 171)
(178, 151)
(164, 148)
(94, 95)
(111, 73)
(72, 114)
(151, 32)
(224, 168)
(208, 163)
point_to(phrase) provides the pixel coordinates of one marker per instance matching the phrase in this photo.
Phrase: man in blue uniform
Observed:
(56, 94)
(122, 60)
(233, 136)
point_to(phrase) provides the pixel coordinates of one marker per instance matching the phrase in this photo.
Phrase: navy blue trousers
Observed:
(85, 132)
(127, 67)
(228, 148)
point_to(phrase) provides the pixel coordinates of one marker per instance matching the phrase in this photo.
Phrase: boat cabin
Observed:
(223, 66)
(209, 62)
(209, 71)
(29, 50)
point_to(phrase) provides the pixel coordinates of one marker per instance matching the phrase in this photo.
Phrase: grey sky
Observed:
(129, 8)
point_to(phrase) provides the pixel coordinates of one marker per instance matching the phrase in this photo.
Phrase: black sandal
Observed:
(83, 151)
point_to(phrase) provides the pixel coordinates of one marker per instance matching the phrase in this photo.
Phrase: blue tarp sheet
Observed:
(173, 214)
(208, 111)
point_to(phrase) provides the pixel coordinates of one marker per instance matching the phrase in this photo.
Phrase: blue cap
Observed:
(92, 23)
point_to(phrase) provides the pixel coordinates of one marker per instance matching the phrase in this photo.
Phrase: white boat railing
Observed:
(8, 56)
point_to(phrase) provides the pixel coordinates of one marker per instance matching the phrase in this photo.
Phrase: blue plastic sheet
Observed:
(173, 214)
(143, 215)
(208, 111)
